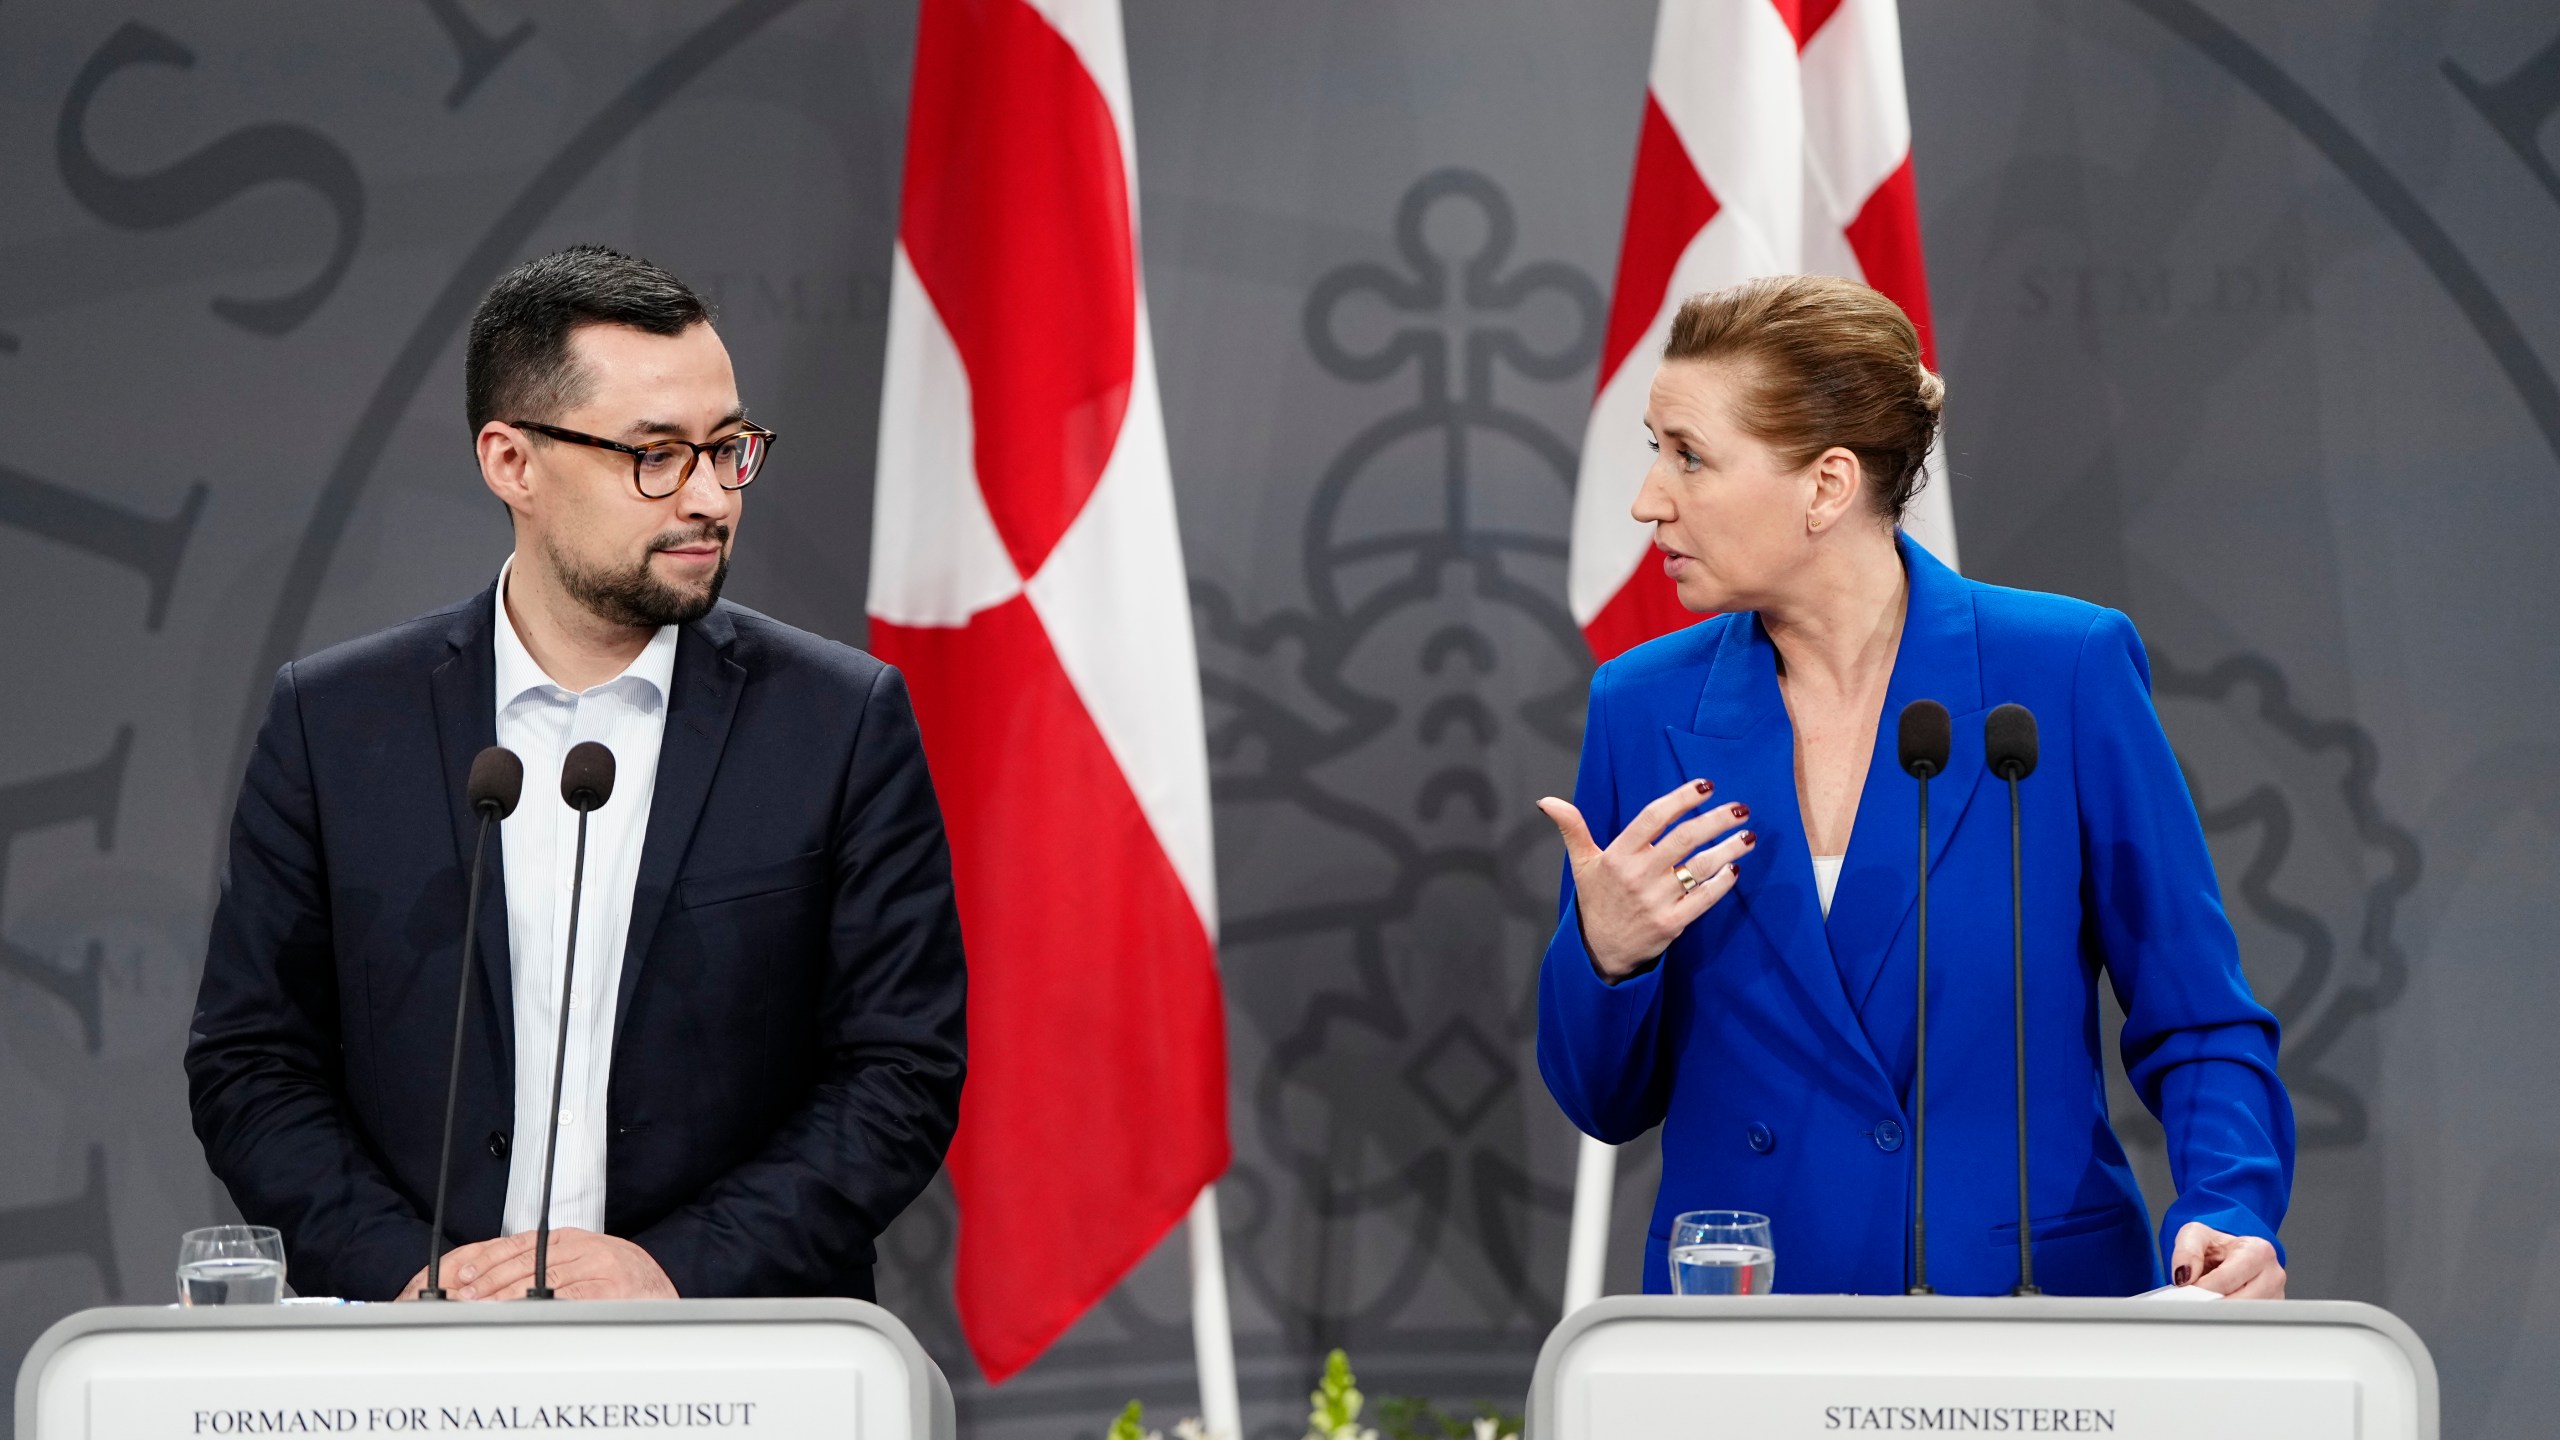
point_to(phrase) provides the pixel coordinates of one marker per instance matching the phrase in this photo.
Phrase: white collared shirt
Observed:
(540, 721)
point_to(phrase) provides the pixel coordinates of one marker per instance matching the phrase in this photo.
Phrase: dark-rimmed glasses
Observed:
(661, 467)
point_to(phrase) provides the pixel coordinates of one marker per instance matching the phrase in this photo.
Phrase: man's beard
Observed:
(634, 595)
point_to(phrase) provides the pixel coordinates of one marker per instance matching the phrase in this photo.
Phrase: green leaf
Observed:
(1127, 1427)
(1408, 1417)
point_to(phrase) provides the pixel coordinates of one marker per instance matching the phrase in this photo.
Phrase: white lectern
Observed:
(836, 1368)
(1781, 1366)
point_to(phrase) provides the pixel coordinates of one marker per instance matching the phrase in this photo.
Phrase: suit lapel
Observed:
(703, 701)
(464, 690)
(1939, 660)
(1744, 742)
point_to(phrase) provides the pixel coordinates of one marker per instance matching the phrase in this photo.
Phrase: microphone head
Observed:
(1927, 735)
(586, 777)
(2009, 742)
(497, 782)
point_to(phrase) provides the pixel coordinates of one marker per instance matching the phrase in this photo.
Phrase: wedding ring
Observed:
(1688, 882)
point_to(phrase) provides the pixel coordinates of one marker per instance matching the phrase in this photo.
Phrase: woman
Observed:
(1735, 961)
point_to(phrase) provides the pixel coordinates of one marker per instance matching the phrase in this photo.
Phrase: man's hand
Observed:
(2237, 1267)
(584, 1266)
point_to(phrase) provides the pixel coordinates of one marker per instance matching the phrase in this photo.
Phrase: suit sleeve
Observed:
(872, 1132)
(1599, 1044)
(264, 1067)
(2198, 1047)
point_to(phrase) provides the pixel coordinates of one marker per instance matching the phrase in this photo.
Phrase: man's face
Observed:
(630, 559)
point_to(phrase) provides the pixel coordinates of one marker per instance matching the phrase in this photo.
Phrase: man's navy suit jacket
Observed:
(788, 1034)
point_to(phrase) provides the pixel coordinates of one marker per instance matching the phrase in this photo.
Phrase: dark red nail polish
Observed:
(2181, 1276)
(1741, 811)
(1747, 840)
(1706, 787)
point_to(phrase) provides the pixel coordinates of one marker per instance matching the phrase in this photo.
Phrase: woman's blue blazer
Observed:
(1775, 1049)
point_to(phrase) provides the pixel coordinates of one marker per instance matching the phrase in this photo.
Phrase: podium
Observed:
(1776, 1367)
(843, 1369)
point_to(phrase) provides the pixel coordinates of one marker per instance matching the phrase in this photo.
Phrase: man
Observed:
(765, 1038)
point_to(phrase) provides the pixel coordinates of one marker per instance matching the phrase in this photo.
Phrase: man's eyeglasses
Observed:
(661, 467)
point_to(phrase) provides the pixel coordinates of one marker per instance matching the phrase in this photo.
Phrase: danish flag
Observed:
(1775, 141)
(1027, 577)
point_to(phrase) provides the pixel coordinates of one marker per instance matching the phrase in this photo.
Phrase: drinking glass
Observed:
(231, 1265)
(1722, 1252)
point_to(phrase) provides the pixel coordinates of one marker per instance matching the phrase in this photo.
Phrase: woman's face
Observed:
(1730, 518)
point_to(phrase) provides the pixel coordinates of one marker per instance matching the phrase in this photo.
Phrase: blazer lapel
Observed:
(705, 694)
(1744, 743)
(1879, 882)
(464, 690)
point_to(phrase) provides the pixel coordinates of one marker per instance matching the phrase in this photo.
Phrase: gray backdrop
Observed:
(2248, 316)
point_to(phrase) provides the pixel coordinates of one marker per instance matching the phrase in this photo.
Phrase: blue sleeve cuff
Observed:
(2230, 1219)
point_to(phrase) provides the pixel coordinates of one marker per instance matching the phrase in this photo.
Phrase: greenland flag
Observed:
(1775, 142)
(1027, 577)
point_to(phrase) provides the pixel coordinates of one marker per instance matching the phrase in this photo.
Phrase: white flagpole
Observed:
(1213, 1336)
(1595, 1186)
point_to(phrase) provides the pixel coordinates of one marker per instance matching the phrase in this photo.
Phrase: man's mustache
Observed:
(716, 532)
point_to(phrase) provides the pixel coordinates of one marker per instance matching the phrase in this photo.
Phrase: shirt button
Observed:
(1762, 1138)
(498, 1144)
(1888, 1135)
(568, 1119)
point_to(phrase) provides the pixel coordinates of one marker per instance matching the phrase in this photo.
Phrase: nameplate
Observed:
(2148, 1407)
(778, 1402)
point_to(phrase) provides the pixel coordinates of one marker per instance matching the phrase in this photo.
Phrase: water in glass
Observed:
(252, 1281)
(1720, 1269)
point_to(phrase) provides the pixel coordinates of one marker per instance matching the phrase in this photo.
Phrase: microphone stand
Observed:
(453, 1071)
(541, 1288)
(2018, 988)
(1920, 1073)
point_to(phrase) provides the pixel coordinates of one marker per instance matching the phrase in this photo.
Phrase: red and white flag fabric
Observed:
(1776, 141)
(1027, 577)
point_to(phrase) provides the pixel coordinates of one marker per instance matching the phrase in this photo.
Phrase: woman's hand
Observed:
(1633, 897)
(2238, 1267)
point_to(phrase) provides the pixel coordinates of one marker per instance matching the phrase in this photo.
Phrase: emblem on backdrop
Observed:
(2314, 871)
(1382, 742)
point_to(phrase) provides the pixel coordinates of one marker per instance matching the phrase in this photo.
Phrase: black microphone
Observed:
(586, 782)
(1927, 735)
(2009, 743)
(497, 780)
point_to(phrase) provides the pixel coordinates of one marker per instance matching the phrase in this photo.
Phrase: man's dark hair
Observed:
(517, 365)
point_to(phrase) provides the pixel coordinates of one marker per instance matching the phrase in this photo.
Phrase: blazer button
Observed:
(497, 1144)
(1761, 1137)
(1888, 1135)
